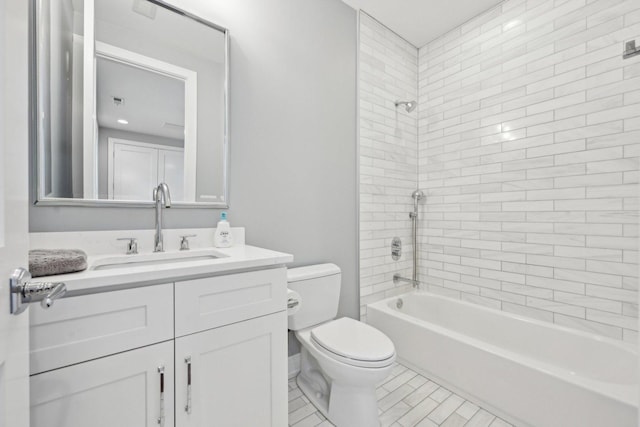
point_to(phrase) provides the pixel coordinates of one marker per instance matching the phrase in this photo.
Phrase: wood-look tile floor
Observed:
(405, 399)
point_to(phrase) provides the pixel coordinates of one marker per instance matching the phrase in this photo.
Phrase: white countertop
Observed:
(240, 257)
(100, 245)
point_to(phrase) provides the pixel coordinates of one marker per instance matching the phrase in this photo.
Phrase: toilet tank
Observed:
(319, 289)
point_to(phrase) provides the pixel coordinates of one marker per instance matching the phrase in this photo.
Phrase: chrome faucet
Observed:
(160, 196)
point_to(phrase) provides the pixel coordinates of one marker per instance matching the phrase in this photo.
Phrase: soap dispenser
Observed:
(223, 237)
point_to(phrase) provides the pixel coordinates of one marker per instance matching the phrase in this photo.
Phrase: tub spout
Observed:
(397, 278)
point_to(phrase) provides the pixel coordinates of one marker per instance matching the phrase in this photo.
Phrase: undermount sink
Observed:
(158, 258)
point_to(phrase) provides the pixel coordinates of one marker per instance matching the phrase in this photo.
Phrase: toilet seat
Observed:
(353, 343)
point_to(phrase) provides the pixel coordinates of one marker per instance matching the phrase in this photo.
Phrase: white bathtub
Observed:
(529, 372)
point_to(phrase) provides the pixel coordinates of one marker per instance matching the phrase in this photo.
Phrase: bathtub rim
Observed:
(626, 393)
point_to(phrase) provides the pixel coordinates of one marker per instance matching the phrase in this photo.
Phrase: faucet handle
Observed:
(132, 246)
(184, 241)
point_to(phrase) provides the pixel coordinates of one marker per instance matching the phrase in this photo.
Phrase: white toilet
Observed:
(342, 360)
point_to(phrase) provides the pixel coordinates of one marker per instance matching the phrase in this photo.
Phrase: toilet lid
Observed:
(354, 340)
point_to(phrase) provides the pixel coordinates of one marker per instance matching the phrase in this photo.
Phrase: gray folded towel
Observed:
(48, 262)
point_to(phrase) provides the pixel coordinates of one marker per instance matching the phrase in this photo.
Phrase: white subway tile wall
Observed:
(529, 145)
(388, 68)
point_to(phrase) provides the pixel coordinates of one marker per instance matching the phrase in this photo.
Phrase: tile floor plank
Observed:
(396, 411)
(499, 422)
(446, 408)
(399, 380)
(294, 393)
(421, 393)
(310, 421)
(454, 420)
(301, 413)
(426, 422)
(296, 404)
(482, 418)
(417, 381)
(394, 397)
(440, 394)
(419, 412)
(467, 410)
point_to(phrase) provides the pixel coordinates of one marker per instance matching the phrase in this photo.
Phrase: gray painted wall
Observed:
(293, 181)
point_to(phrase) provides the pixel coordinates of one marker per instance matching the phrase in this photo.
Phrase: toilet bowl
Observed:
(342, 360)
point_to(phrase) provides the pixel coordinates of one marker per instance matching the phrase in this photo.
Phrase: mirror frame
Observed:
(34, 132)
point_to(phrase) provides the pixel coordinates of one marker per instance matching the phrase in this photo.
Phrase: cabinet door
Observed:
(171, 171)
(133, 172)
(238, 375)
(123, 390)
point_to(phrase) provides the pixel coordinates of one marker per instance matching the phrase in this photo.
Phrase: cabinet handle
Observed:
(161, 416)
(187, 407)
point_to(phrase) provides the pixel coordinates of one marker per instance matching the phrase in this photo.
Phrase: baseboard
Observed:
(294, 365)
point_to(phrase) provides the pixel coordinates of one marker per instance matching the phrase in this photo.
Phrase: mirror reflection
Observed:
(130, 94)
(140, 131)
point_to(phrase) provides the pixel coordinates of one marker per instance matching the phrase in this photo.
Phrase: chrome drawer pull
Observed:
(161, 416)
(187, 407)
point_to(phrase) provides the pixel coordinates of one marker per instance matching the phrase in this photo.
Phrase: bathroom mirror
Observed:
(128, 94)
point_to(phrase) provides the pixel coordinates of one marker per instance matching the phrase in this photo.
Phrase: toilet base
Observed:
(342, 404)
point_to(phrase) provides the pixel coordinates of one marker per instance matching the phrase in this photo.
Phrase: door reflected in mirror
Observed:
(131, 93)
(141, 132)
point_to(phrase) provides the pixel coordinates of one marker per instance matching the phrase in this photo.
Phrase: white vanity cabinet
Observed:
(101, 359)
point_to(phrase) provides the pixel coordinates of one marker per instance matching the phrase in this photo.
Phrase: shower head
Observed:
(408, 105)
